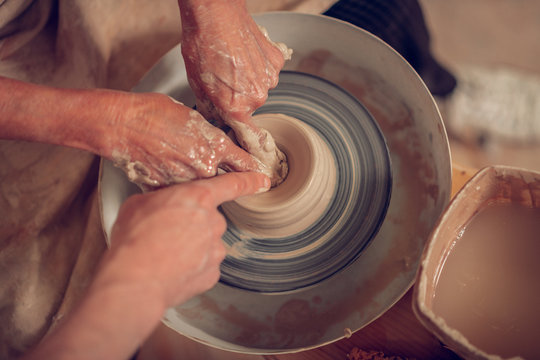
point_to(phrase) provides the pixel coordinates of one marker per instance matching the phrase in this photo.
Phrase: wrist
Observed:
(99, 117)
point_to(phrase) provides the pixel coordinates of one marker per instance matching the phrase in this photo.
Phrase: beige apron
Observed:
(50, 230)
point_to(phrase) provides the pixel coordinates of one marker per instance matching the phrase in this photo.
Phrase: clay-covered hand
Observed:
(155, 139)
(231, 64)
(160, 142)
(170, 240)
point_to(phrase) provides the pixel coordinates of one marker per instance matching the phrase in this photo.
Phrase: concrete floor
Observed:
(491, 34)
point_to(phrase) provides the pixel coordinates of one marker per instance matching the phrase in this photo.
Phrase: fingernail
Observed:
(261, 190)
(267, 185)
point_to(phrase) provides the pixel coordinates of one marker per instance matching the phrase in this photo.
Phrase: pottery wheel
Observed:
(352, 201)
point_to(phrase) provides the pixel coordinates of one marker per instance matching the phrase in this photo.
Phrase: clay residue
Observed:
(251, 328)
(136, 171)
(285, 51)
(517, 189)
(171, 162)
(278, 331)
(263, 147)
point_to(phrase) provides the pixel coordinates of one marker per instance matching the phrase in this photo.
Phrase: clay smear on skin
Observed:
(415, 174)
(136, 171)
(262, 145)
(285, 51)
(201, 160)
(258, 142)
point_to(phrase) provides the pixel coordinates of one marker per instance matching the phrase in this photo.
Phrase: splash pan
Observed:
(260, 318)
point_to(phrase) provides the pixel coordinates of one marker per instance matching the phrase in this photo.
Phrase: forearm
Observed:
(195, 12)
(112, 320)
(56, 116)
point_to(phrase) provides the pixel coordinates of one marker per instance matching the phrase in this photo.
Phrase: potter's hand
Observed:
(166, 248)
(160, 142)
(156, 140)
(231, 64)
(171, 238)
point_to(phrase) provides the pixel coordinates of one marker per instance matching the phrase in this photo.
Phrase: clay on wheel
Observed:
(331, 203)
(304, 194)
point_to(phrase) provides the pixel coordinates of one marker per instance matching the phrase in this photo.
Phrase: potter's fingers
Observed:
(230, 186)
(234, 158)
(240, 160)
(248, 135)
(243, 123)
(210, 192)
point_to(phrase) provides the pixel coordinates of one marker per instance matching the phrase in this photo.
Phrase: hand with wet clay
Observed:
(231, 64)
(166, 248)
(154, 139)
(162, 142)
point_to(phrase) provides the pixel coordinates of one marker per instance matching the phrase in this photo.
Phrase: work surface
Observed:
(396, 333)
